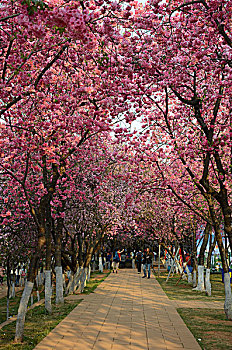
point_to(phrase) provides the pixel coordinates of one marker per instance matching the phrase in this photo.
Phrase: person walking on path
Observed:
(116, 260)
(139, 260)
(17, 276)
(147, 263)
(123, 260)
(108, 260)
(132, 255)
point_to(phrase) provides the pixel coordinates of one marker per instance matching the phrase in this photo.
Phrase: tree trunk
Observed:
(48, 291)
(211, 249)
(100, 264)
(83, 277)
(12, 290)
(78, 280)
(207, 282)
(48, 278)
(190, 279)
(228, 296)
(200, 282)
(80, 250)
(179, 269)
(59, 285)
(194, 277)
(226, 251)
(89, 255)
(22, 311)
(40, 216)
(226, 211)
(88, 259)
(27, 290)
(207, 276)
(94, 265)
(194, 253)
(70, 283)
(8, 287)
(74, 284)
(227, 285)
(89, 273)
(204, 244)
(58, 268)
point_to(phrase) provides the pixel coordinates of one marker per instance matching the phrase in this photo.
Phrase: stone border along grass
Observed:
(38, 324)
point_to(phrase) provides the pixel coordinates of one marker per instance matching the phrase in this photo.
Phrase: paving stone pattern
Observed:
(125, 312)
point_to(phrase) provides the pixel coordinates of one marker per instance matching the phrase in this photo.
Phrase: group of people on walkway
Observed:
(116, 258)
(144, 262)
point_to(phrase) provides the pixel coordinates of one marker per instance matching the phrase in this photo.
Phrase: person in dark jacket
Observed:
(139, 256)
(147, 263)
(108, 260)
(116, 260)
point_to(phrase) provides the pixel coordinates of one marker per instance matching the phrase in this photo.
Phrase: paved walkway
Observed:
(125, 312)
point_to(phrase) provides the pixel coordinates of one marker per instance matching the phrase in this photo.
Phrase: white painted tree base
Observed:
(200, 283)
(22, 311)
(190, 280)
(89, 273)
(12, 291)
(59, 285)
(70, 283)
(207, 282)
(100, 265)
(194, 279)
(228, 297)
(48, 291)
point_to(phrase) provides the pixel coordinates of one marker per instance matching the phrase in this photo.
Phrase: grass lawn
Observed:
(38, 324)
(209, 327)
(14, 303)
(95, 280)
(183, 290)
(13, 306)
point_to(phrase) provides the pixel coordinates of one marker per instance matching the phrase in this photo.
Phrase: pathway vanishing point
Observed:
(126, 312)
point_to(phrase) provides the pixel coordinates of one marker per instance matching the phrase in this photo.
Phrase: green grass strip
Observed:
(209, 327)
(38, 323)
(183, 290)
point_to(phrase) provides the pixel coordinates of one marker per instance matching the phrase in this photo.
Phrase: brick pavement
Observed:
(125, 312)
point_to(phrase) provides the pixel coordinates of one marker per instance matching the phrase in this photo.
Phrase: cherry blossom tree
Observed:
(185, 67)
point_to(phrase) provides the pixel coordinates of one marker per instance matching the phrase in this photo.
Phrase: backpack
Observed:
(139, 256)
(116, 257)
